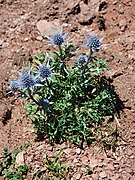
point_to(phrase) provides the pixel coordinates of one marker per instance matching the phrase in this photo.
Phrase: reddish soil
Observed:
(20, 39)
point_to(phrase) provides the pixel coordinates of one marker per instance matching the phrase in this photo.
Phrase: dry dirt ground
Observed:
(22, 24)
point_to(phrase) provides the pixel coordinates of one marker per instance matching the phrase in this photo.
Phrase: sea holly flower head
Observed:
(44, 103)
(93, 43)
(26, 80)
(44, 71)
(13, 86)
(58, 39)
(82, 59)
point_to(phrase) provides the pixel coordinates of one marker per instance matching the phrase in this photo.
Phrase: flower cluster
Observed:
(13, 86)
(44, 72)
(93, 43)
(26, 80)
(82, 59)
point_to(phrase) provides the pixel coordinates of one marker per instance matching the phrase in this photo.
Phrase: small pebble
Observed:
(78, 150)
(39, 38)
(103, 174)
(4, 45)
(1, 42)
(26, 39)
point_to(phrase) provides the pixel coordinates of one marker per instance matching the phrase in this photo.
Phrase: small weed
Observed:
(89, 171)
(53, 168)
(8, 169)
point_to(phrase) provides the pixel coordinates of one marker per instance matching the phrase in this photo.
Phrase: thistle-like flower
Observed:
(26, 80)
(58, 39)
(13, 86)
(44, 71)
(82, 59)
(44, 103)
(93, 43)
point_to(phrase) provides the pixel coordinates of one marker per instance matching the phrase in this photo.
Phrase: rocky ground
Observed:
(23, 25)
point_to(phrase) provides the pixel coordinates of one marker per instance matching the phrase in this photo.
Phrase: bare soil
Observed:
(21, 38)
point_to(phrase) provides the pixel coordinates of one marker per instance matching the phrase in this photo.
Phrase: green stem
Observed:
(86, 64)
(48, 84)
(60, 52)
(63, 66)
(34, 100)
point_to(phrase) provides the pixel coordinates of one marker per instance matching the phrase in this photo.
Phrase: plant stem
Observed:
(48, 84)
(32, 98)
(60, 52)
(85, 65)
(63, 66)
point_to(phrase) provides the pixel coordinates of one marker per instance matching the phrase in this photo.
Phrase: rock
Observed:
(78, 176)
(45, 27)
(123, 25)
(85, 20)
(84, 8)
(86, 15)
(1, 42)
(39, 38)
(132, 157)
(90, 12)
(103, 175)
(4, 45)
(72, 7)
(127, 41)
(26, 39)
(19, 159)
(121, 9)
(78, 150)
(100, 165)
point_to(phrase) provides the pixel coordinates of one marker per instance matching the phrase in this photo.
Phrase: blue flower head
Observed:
(44, 103)
(58, 39)
(93, 43)
(82, 59)
(25, 79)
(44, 71)
(13, 86)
